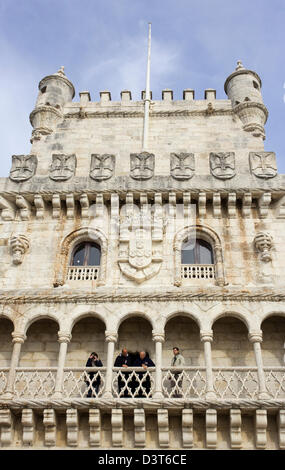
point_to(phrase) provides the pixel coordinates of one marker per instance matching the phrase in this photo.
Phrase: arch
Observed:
(89, 314)
(41, 346)
(274, 313)
(67, 246)
(182, 313)
(133, 314)
(38, 317)
(273, 334)
(234, 314)
(205, 233)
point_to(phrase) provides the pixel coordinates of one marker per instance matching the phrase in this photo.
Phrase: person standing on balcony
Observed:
(143, 360)
(93, 385)
(123, 360)
(177, 361)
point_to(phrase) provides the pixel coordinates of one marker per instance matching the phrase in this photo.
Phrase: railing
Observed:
(136, 382)
(83, 273)
(133, 382)
(87, 382)
(4, 371)
(236, 382)
(34, 382)
(198, 271)
(275, 381)
(184, 382)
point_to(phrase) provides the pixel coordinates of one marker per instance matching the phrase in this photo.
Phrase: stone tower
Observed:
(106, 246)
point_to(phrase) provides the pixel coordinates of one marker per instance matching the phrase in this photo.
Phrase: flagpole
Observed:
(147, 94)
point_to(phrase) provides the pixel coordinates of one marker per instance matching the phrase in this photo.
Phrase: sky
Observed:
(103, 46)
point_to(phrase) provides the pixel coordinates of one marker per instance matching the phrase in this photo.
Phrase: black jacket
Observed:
(98, 363)
(120, 360)
(147, 361)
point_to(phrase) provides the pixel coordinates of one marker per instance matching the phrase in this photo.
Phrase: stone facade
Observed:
(87, 180)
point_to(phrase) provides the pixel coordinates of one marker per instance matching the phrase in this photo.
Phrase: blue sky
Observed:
(102, 44)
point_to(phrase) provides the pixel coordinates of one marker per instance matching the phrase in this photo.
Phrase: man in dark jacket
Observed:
(123, 360)
(93, 384)
(143, 360)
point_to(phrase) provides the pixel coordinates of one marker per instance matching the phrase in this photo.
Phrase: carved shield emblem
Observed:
(62, 167)
(140, 249)
(23, 167)
(182, 165)
(142, 165)
(102, 166)
(263, 164)
(222, 164)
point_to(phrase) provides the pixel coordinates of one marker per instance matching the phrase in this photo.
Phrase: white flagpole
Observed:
(147, 93)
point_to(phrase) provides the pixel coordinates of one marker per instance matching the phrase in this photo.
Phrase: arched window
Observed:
(197, 259)
(86, 254)
(199, 252)
(85, 262)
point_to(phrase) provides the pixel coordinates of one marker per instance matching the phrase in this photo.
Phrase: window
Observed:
(200, 253)
(255, 84)
(86, 254)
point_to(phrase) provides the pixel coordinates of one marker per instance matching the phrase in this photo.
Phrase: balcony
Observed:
(83, 273)
(187, 383)
(198, 271)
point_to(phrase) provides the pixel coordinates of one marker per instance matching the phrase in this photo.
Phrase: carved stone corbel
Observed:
(19, 246)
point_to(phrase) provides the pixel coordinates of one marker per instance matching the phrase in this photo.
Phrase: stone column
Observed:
(207, 338)
(158, 338)
(219, 265)
(18, 340)
(256, 339)
(111, 339)
(63, 339)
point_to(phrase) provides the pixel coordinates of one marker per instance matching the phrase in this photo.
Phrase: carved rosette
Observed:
(222, 165)
(263, 243)
(23, 167)
(102, 166)
(142, 165)
(19, 246)
(62, 167)
(263, 164)
(182, 165)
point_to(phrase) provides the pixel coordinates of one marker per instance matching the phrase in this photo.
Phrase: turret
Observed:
(243, 88)
(54, 92)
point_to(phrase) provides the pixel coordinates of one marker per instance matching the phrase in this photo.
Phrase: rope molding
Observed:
(145, 403)
(97, 297)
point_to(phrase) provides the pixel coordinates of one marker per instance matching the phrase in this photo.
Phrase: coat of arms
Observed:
(140, 254)
(102, 166)
(263, 164)
(62, 167)
(182, 165)
(23, 167)
(142, 165)
(222, 164)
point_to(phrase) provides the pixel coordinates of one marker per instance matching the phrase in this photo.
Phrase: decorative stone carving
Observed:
(72, 427)
(263, 164)
(28, 423)
(140, 253)
(222, 165)
(23, 167)
(139, 425)
(19, 246)
(94, 427)
(102, 166)
(260, 428)
(6, 427)
(235, 429)
(182, 165)
(263, 243)
(281, 428)
(142, 165)
(49, 422)
(117, 427)
(62, 167)
(187, 428)
(163, 427)
(211, 429)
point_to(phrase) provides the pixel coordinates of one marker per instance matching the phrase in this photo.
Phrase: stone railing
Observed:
(83, 382)
(198, 271)
(133, 382)
(185, 382)
(4, 371)
(136, 382)
(83, 273)
(33, 382)
(275, 381)
(236, 382)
